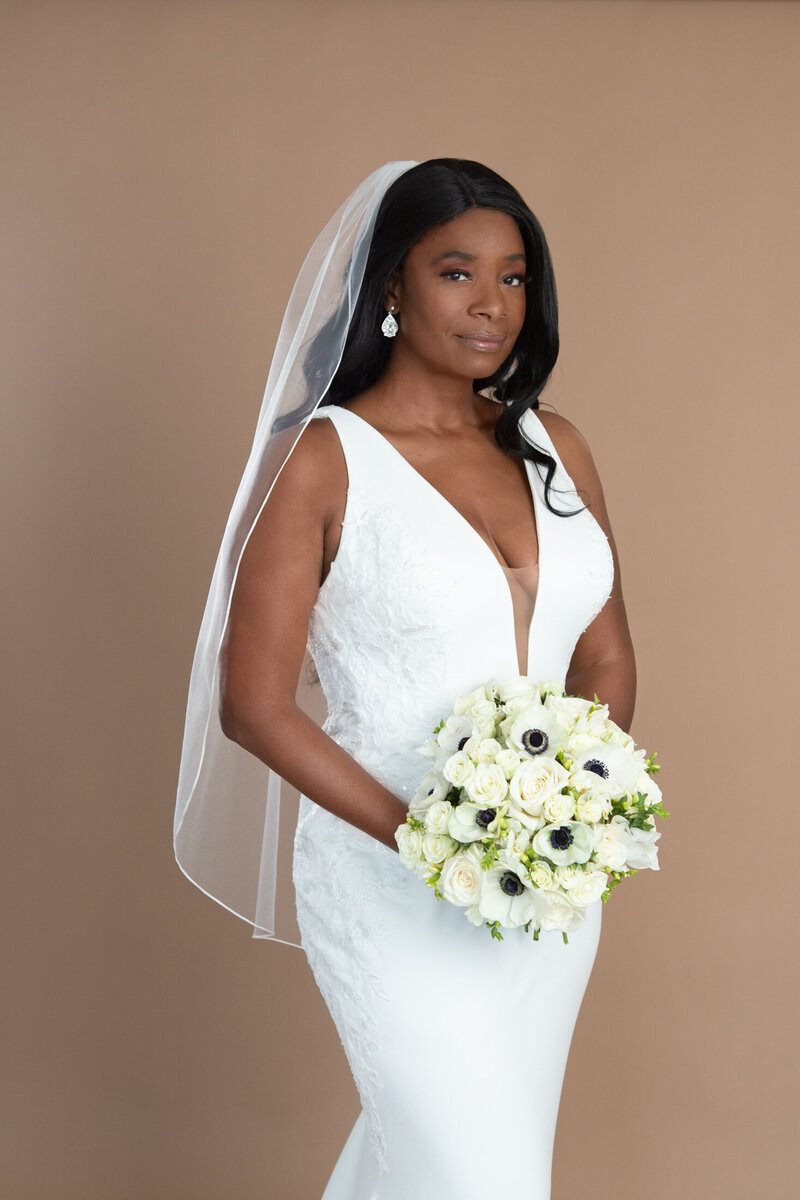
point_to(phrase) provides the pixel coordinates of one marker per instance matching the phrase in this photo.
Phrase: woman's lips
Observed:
(483, 343)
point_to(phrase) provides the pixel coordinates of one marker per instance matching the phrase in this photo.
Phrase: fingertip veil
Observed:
(231, 835)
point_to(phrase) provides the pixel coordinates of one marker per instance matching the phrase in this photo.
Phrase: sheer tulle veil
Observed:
(231, 834)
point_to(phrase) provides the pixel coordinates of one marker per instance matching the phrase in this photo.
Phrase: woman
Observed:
(410, 541)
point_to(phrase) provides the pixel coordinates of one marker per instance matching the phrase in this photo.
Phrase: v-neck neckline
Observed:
(499, 567)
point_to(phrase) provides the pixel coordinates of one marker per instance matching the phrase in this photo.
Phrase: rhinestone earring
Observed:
(389, 326)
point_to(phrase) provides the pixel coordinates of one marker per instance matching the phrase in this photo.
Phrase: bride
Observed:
(417, 525)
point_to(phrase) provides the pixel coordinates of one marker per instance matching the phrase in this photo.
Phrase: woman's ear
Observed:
(392, 293)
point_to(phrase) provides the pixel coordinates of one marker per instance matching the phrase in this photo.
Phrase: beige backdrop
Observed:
(164, 169)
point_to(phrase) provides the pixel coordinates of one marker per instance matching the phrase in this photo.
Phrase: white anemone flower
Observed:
(536, 730)
(506, 897)
(565, 842)
(620, 769)
(470, 822)
(455, 732)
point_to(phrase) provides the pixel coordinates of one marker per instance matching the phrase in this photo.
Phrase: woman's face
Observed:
(462, 281)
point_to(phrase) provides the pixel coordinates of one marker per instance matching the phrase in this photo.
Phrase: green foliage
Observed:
(616, 878)
(489, 854)
(414, 822)
(495, 928)
(650, 764)
(432, 881)
(636, 810)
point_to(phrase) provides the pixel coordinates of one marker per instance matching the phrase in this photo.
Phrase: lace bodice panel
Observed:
(416, 609)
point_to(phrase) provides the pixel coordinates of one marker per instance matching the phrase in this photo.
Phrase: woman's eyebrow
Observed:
(471, 257)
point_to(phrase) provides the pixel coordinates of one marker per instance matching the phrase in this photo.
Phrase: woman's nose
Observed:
(488, 298)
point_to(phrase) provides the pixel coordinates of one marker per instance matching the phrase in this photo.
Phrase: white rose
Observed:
(612, 843)
(507, 761)
(464, 704)
(461, 879)
(589, 887)
(557, 912)
(578, 741)
(595, 723)
(517, 689)
(585, 781)
(571, 706)
(558, 807)
(436, 847)
(438, 816)
(617, 736)
(565, 709)
(486, 750)
(542, 874)
(488, 786)
(548, 687)
(484, 726)
(409, 845)
(592, 807)
(459, 769)
(568, 876)
(485, 712)
(535, 781)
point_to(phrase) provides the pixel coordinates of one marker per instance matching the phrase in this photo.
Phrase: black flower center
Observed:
(511, 884)
(463, 743)
(561, 838)
(535, 741)
(598, 766)
(485, 817)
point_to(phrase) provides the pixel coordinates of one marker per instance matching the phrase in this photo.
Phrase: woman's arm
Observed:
(603, 661)
(276, 587)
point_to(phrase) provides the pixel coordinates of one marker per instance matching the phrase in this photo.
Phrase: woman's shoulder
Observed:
(315, 466)
(575, 454)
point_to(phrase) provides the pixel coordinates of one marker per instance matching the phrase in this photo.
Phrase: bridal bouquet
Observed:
(535, 804)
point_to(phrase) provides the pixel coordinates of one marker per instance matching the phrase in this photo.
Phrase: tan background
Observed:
(164, 169)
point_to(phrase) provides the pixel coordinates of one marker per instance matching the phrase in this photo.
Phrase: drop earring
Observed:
(389, 326)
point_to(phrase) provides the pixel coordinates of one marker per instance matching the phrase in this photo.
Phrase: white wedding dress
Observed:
(457, 1042)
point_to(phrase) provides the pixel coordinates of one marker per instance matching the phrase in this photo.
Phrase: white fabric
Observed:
(457, 1043)
(229, 809)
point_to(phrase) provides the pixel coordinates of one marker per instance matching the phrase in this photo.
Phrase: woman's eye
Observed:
(520, 279)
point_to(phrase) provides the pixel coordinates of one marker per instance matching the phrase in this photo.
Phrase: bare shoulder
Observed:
(576, 455)
(315, 472)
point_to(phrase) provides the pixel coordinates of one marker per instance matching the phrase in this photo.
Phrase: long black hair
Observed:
(425, 196)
